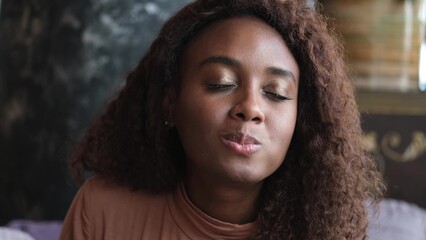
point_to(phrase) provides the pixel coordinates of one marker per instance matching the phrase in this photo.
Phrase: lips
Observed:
(241, 143)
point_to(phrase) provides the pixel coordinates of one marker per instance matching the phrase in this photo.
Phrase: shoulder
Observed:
(103, 194)
(103, 208)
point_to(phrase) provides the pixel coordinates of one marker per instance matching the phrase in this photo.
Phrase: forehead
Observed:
(236, 29)
(246, 39)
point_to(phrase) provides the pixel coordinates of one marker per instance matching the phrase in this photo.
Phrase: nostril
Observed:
(241, 115)
(256, 119)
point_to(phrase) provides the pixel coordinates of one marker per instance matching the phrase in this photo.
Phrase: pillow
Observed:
(397, 220)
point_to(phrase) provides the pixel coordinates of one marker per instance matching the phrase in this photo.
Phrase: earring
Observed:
(166, 123)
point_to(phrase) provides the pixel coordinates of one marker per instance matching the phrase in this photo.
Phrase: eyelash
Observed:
(226, 87)
(275, 96)
(220, 86)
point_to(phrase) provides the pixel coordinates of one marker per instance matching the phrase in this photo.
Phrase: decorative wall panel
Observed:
(398, 143)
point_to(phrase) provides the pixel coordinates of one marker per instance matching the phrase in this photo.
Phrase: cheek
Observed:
(283, 125)
(199, 114)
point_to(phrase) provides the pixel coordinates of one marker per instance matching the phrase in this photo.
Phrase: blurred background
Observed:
(60, 60)
(386, 52)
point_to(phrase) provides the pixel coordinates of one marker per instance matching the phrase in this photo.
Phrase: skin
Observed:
(238, 82)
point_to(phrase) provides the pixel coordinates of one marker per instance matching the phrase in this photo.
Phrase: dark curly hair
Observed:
(321, 189)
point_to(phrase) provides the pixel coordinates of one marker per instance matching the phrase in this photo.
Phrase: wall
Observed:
(398, 143)
(59, 61)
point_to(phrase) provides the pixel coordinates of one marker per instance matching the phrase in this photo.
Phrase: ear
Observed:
(168, 107)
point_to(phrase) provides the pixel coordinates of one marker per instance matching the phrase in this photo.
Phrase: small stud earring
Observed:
(166, 123)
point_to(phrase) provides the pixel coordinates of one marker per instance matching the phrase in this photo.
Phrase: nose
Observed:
(247, 107)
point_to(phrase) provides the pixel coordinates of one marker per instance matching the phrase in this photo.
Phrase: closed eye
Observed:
(275, 96)
(220, 86)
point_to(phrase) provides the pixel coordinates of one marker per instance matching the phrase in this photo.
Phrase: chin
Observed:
(247, 176)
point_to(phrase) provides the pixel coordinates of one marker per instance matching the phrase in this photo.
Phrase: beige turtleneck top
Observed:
(103, 211)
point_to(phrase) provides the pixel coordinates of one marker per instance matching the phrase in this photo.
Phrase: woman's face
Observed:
(235, 110)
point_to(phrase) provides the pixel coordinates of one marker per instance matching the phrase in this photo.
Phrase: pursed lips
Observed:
(241, 143)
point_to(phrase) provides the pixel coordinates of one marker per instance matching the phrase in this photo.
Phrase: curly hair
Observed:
(320, 190)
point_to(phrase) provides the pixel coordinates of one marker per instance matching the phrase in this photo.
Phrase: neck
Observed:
(225, 202)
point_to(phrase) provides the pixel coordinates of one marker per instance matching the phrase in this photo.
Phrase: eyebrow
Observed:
(276, 71)
(281, 72)
(221, 60)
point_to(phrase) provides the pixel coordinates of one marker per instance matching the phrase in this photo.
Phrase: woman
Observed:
(239, 123)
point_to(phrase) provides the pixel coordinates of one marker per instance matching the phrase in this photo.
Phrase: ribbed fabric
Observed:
(103, 211)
